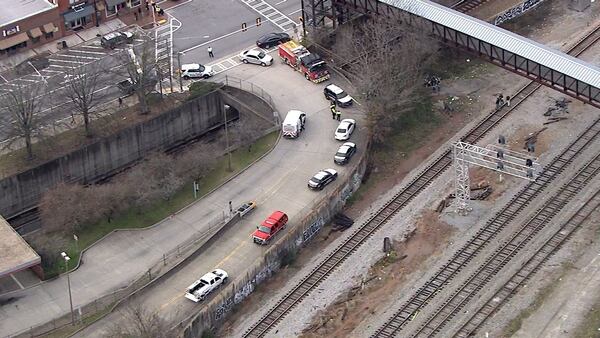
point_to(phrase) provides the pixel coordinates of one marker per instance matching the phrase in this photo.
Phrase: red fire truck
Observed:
(299, 58)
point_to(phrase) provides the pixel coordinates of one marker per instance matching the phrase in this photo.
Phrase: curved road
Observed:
(277, 182)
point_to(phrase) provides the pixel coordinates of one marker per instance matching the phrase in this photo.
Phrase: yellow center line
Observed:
(228, 257)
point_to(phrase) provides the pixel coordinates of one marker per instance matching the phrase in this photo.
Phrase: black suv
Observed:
(337, 94)
(114, 39)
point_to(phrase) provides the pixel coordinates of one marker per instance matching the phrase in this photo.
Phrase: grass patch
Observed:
(515, 324)
(409, 131)
(136, 218)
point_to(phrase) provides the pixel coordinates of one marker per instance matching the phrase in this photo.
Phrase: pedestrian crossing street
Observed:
(271, 13)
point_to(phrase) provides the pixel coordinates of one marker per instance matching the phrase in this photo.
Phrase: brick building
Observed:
(27, 23)
(30, 23)
(82, 14)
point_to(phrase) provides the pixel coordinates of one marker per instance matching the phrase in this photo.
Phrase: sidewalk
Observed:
(9, 62)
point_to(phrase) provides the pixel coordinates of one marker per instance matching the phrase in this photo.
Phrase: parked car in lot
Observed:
(246, 208)
(337, 94)
(345, 129)
(196, 70)
(114, 39)
(257, 57)
(322, 179)
(345, 153)
(269, 227)
(272, 39)
(205, 285)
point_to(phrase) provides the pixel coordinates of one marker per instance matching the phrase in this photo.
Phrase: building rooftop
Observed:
(15, 253)
(15, 10)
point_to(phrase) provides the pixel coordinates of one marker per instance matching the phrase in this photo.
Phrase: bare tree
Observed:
(23, 104)
(140, 64)
(390, 57)
(139, 323)
(82, 89)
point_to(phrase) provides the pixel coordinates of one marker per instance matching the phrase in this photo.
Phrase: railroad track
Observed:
(466, 253)
(399, 201)
(532, 265)
(504, 255)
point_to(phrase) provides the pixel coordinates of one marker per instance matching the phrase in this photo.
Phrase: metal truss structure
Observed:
(163, 39)
(491, 157)
(342, 10)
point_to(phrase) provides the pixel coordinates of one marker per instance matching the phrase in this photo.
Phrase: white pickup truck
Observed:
(205, 285)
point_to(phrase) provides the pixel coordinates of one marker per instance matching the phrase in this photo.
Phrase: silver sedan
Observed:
(257, 57)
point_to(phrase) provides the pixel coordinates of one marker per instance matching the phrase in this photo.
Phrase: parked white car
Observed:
(257, 57)
(205, 285)
(345, 129)
(196, 70)
(246, 208)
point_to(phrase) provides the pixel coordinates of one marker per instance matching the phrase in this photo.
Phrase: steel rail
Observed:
(398, 202)
(505, 254)
(449, 270)
(532, 265)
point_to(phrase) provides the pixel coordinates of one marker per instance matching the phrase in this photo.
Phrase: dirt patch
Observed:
(429, 238)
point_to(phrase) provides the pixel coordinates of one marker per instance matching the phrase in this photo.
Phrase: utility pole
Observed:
(227, 138)
(67, 259)
(179, 70)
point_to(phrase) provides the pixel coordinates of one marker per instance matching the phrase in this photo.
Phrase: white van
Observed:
(293, 123)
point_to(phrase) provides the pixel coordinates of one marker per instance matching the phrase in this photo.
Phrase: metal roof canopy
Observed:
(15, 253)
(523, 56)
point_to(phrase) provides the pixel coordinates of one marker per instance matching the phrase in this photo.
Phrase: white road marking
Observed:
(296, 11)
(280, 2)
(67, 61)
(261, 7)
(81, 57)
(86, 52)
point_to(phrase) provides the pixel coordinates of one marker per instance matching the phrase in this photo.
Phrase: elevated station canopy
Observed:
(15, 253)
(526, 57)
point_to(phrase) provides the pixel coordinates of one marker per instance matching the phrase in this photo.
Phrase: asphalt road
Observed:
(219, 24)
(277, 182)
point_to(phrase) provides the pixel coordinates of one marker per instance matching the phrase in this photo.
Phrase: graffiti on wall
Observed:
(516, 11)
(312, 230)
(240, 294)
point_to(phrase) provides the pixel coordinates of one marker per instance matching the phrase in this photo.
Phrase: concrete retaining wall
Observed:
(112, 154)
(315, 217)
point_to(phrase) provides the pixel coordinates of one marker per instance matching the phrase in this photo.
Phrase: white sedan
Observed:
(205, 285)
(345, 129)
(257, 57)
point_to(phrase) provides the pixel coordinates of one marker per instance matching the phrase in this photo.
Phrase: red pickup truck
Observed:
(269, 227)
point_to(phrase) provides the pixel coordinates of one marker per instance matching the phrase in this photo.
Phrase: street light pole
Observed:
(179, 70)
(227, 138)
(67, 258)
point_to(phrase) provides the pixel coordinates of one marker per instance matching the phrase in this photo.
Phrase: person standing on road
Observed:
(332, 108)
(338, 115)
(210, 52)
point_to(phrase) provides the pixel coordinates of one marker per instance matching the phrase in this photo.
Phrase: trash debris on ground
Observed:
(477, 193)
(341, 222)
(555, 119)
(532, 139)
